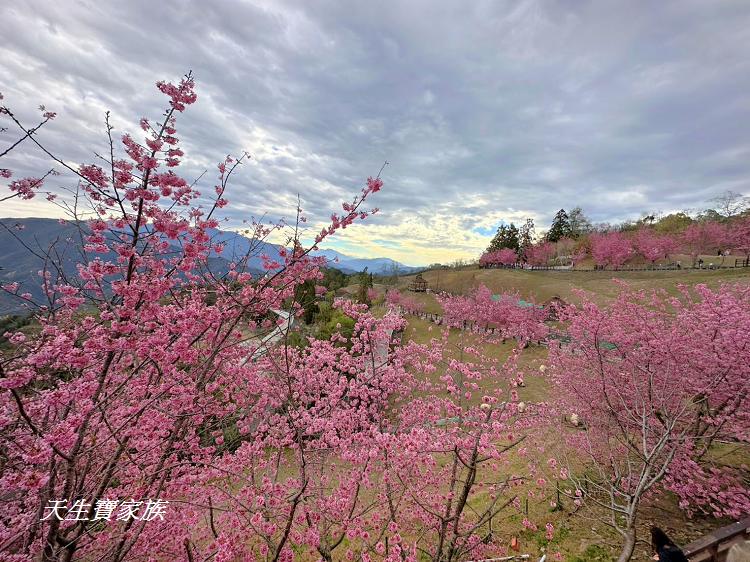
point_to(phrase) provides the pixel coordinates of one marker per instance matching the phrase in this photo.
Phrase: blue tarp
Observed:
(522, 303)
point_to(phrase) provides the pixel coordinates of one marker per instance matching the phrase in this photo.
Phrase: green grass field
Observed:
(543, 285)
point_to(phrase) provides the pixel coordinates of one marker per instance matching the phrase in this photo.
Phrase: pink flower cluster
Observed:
(504, 256)
(505, 313)
(26, 188)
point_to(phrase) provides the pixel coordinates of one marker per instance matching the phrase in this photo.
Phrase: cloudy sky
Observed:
(487, 111)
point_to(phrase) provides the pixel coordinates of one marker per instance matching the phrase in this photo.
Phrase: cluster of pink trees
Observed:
(402, 301)
(504, 313)
(741, 235)
(613, 249)
(653, 246)
(540, 254)
(702, 237)
(504, 256)
(658, 382)
(150, 377)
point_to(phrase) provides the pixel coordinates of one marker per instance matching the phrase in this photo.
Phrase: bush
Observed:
(297, 339)
(12, 323)
(338, 323)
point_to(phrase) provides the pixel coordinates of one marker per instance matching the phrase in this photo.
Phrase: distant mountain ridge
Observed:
(379, 266)
(19, 265)
(237, 245)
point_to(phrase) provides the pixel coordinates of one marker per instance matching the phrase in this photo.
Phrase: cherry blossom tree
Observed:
(372, 294)
(28, 187)
(504, 256)
(610, 249)
(456, 502)
(506, 314)
(119, 393)
(739, 235)
(656, 382)
(565, 249)
(540, 254)
(578, 256)
(653, 246)
(403, 302)
(703, 237)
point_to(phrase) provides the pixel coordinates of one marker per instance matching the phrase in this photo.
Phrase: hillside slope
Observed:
(543, 285)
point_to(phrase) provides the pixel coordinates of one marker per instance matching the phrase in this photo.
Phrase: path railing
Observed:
(720, 264)
(715, 546)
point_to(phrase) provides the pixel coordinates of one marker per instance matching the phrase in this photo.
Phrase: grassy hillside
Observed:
(542, 285)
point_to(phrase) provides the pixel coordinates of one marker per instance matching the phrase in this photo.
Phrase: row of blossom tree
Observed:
(660, 388)
(614, 249)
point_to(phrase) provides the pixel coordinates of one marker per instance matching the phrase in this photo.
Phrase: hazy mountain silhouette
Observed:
(26, 244)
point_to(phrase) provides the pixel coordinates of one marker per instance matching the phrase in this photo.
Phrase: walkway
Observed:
(273, 336)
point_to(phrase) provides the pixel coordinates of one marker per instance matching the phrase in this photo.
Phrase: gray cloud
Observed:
(487, 111)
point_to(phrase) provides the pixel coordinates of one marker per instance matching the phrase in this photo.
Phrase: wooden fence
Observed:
(715, 546)
(738, 263)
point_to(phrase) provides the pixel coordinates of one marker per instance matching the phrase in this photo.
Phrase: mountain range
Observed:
(379, 266)
(238, 245)
(25, 241)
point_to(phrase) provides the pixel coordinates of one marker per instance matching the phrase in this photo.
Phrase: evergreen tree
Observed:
(497, 240)
(560, 227)
(365, 283)
(506, 237)
(512, 241)
(304, 294)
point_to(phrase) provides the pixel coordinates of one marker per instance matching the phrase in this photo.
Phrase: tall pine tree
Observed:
(506, 237)
(365, 284)
(560, 227)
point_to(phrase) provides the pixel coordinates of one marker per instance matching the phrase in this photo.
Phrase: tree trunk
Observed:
(628, 546)
(325, 552)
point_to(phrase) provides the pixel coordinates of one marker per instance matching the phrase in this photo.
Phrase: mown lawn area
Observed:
(543, 285)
